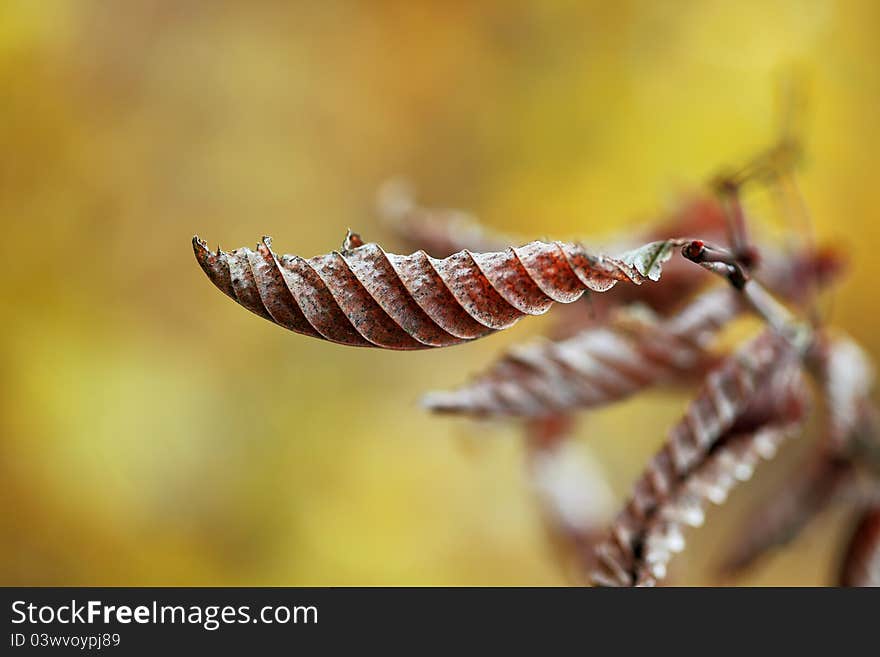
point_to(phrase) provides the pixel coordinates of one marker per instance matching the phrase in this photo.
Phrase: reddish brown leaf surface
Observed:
(861, 563)
(846, 378)
(362, 296)
(732, 463)
(719, 407)
(846, 375)
(442, 232)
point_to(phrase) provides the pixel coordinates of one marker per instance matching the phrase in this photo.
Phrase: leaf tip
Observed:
(648, 260)
(352, 241)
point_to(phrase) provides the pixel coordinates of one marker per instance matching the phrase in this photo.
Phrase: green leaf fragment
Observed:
(648, 259)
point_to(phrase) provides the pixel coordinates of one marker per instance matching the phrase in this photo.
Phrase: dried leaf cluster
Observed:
(656, 323)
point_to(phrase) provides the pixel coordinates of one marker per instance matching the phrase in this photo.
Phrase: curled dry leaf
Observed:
(861, 563)
(846, 377)
(362, 296)
(597, 366)
(718, 407)
(732, 462)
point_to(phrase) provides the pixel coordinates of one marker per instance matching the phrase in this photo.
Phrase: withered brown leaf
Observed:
(365, 297)
(732, 461)
(720, 406)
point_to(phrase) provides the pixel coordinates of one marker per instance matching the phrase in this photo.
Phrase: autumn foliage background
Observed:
(151, 432)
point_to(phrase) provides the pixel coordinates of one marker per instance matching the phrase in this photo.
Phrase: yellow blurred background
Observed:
(152, 432)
